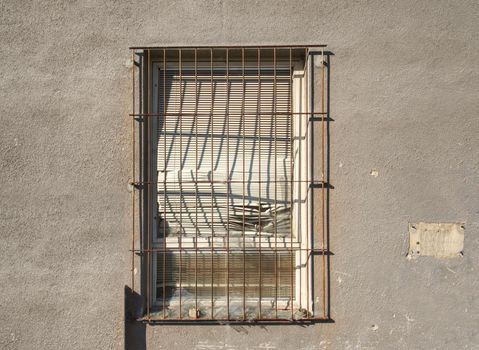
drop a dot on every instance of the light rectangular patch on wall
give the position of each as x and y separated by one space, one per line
440 240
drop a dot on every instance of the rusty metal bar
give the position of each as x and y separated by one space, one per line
308 107
237 250
323 178
275 187
228 187
292 182
196 187
223 321
139 183
164 184
259 177
308 191
207 115
243 120
181 175
226 47
291 155
149 200
133 176
212 187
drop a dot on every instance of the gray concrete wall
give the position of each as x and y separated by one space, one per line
404 97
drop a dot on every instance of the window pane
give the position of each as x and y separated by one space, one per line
207 275
241 141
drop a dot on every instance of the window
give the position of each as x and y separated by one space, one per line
227 184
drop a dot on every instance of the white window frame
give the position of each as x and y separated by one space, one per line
301 190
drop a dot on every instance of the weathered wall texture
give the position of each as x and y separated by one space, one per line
405 104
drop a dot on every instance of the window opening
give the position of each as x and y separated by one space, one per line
226 191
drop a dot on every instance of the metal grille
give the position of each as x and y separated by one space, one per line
224 201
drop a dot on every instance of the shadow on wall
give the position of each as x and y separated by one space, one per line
135 331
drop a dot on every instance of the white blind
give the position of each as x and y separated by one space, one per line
219 129
243 271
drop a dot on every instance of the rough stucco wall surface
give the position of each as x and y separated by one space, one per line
405 104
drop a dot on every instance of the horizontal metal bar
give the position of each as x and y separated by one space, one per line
272 321
265 250
138 183
206 47
221 114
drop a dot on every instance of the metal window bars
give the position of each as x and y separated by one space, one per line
224 172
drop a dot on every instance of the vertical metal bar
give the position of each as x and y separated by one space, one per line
327 179
244 184
275 186
196 184
149 200
133 160
323 187
299 227
181 174
291 170
212 185
291 122
227 188
310 190
259 179
164 184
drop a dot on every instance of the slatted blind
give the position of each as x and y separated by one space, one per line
224 171
222 135
196 274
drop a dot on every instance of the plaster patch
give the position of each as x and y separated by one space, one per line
128 63
440 240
